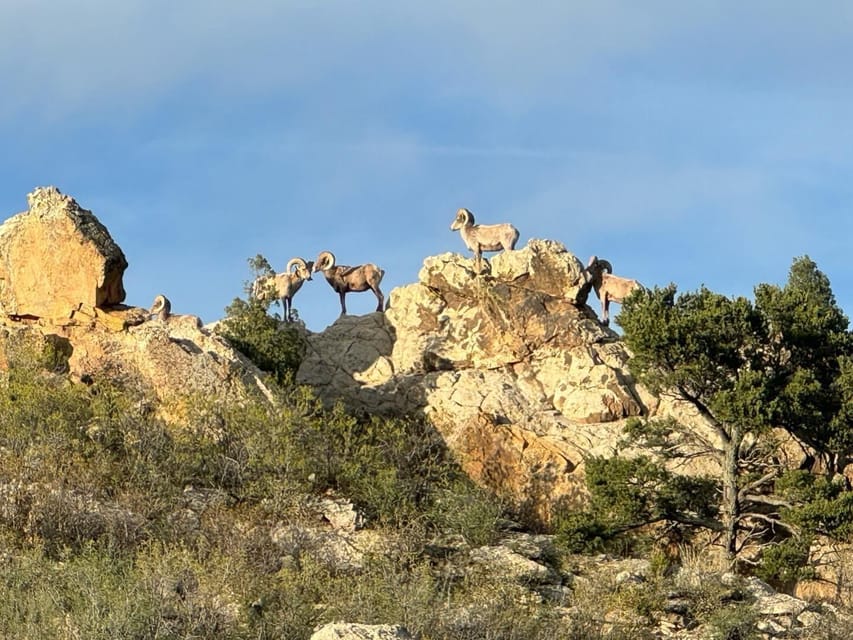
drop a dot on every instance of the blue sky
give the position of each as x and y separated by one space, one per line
688 142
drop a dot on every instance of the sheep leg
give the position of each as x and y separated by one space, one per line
343 303
605 311
380 299
287 309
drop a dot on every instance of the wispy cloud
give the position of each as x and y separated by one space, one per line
60 57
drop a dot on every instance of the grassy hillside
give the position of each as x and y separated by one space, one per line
117 524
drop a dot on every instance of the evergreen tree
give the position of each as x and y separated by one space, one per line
810 360
745 368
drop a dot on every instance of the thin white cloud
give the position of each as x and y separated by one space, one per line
61 56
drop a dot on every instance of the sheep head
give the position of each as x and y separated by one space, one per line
161 306
324 262
300 268
464 218
596 264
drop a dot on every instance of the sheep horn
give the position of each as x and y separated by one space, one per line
293 262
161 304
465 216
606 266
325 256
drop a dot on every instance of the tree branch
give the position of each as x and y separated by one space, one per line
773 522
706 413
752 486
759 498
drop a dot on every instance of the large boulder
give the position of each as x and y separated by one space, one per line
61 285
511 366
56 256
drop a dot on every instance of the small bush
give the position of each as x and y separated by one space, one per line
464 509
273 346
784 563
734 622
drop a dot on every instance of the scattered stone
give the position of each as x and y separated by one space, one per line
629 577
770 628
349 631
535 547
339 513
780 604
500 560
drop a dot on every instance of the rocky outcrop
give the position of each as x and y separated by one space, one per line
172 363
61 284
512 367
55 257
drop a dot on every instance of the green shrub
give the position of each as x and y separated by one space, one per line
784 563
628 498
464 509
818 504
274 346
93 595
734 622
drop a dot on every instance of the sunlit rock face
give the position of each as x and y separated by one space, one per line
56 256
61 285
508 362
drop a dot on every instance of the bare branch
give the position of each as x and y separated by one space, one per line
752 486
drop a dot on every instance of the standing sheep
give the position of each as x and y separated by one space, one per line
283 285
483 237
344 279
609 288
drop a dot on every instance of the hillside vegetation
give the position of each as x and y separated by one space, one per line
485 460
118 525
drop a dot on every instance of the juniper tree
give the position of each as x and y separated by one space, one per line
810 358
783 361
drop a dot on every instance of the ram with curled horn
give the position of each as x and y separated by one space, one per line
161 308
344 279
283 286
609 288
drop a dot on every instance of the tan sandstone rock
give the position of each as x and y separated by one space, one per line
55 257
61 285
511 367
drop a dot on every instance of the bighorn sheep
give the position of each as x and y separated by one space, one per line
162 308
283 285
483 237
345 279
609 288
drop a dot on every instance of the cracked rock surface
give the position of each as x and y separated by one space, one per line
511 366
